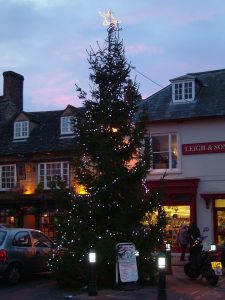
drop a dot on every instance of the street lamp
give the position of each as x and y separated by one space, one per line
92 282
168 258
161 263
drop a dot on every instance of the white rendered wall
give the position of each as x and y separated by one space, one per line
209 168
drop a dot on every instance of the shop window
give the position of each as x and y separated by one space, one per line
220 220
7 219
47 224
164 152
4 216
176 216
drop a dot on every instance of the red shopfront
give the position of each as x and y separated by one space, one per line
217 201
179 204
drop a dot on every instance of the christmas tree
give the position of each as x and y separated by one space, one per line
111 160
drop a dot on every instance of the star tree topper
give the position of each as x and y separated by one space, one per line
109 19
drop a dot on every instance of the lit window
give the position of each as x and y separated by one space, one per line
183 91
67 125
7 177
21 129
50 174
164 152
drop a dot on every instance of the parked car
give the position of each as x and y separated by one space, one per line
23 251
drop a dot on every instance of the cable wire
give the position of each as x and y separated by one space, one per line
132 67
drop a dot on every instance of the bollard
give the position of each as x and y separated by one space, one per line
213 247
168 259
92 280
162 277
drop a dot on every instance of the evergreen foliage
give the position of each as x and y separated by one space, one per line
111 161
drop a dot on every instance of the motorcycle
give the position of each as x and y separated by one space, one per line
206 263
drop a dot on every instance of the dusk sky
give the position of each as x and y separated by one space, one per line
46 42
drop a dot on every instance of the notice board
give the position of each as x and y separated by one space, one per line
127 263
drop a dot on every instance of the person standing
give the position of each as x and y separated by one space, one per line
183 240
195 249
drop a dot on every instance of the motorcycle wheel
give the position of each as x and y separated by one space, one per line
212 278
189 271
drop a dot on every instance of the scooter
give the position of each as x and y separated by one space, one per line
206 263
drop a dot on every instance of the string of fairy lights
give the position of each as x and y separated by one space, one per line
72 217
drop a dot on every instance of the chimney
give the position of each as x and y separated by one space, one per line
13 88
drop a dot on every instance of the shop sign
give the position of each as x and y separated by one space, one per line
203 148
127 263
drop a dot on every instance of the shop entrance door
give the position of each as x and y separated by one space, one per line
29 221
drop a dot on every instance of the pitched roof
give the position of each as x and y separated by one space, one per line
7 109
45 136
209 101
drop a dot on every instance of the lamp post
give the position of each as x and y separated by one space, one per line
161 262
92 281
168 258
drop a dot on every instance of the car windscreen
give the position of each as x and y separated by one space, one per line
2 236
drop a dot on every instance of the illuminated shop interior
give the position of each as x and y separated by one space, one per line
220 220
176 216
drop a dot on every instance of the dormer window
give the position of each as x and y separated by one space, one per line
21 130
67 125
183 91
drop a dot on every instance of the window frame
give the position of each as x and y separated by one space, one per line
182 92
45 175
66 125
170 169
22 134
14 176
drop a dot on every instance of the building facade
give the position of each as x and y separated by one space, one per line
186 123
36 151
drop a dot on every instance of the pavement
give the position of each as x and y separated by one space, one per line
178 287
133 292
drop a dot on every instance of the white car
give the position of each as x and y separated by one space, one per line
23 251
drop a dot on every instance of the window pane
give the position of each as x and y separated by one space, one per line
174 151
161 160
188 90
160 143
22 239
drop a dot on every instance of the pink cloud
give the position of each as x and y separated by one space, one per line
56 90
71 53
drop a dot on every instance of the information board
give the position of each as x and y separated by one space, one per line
127 263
